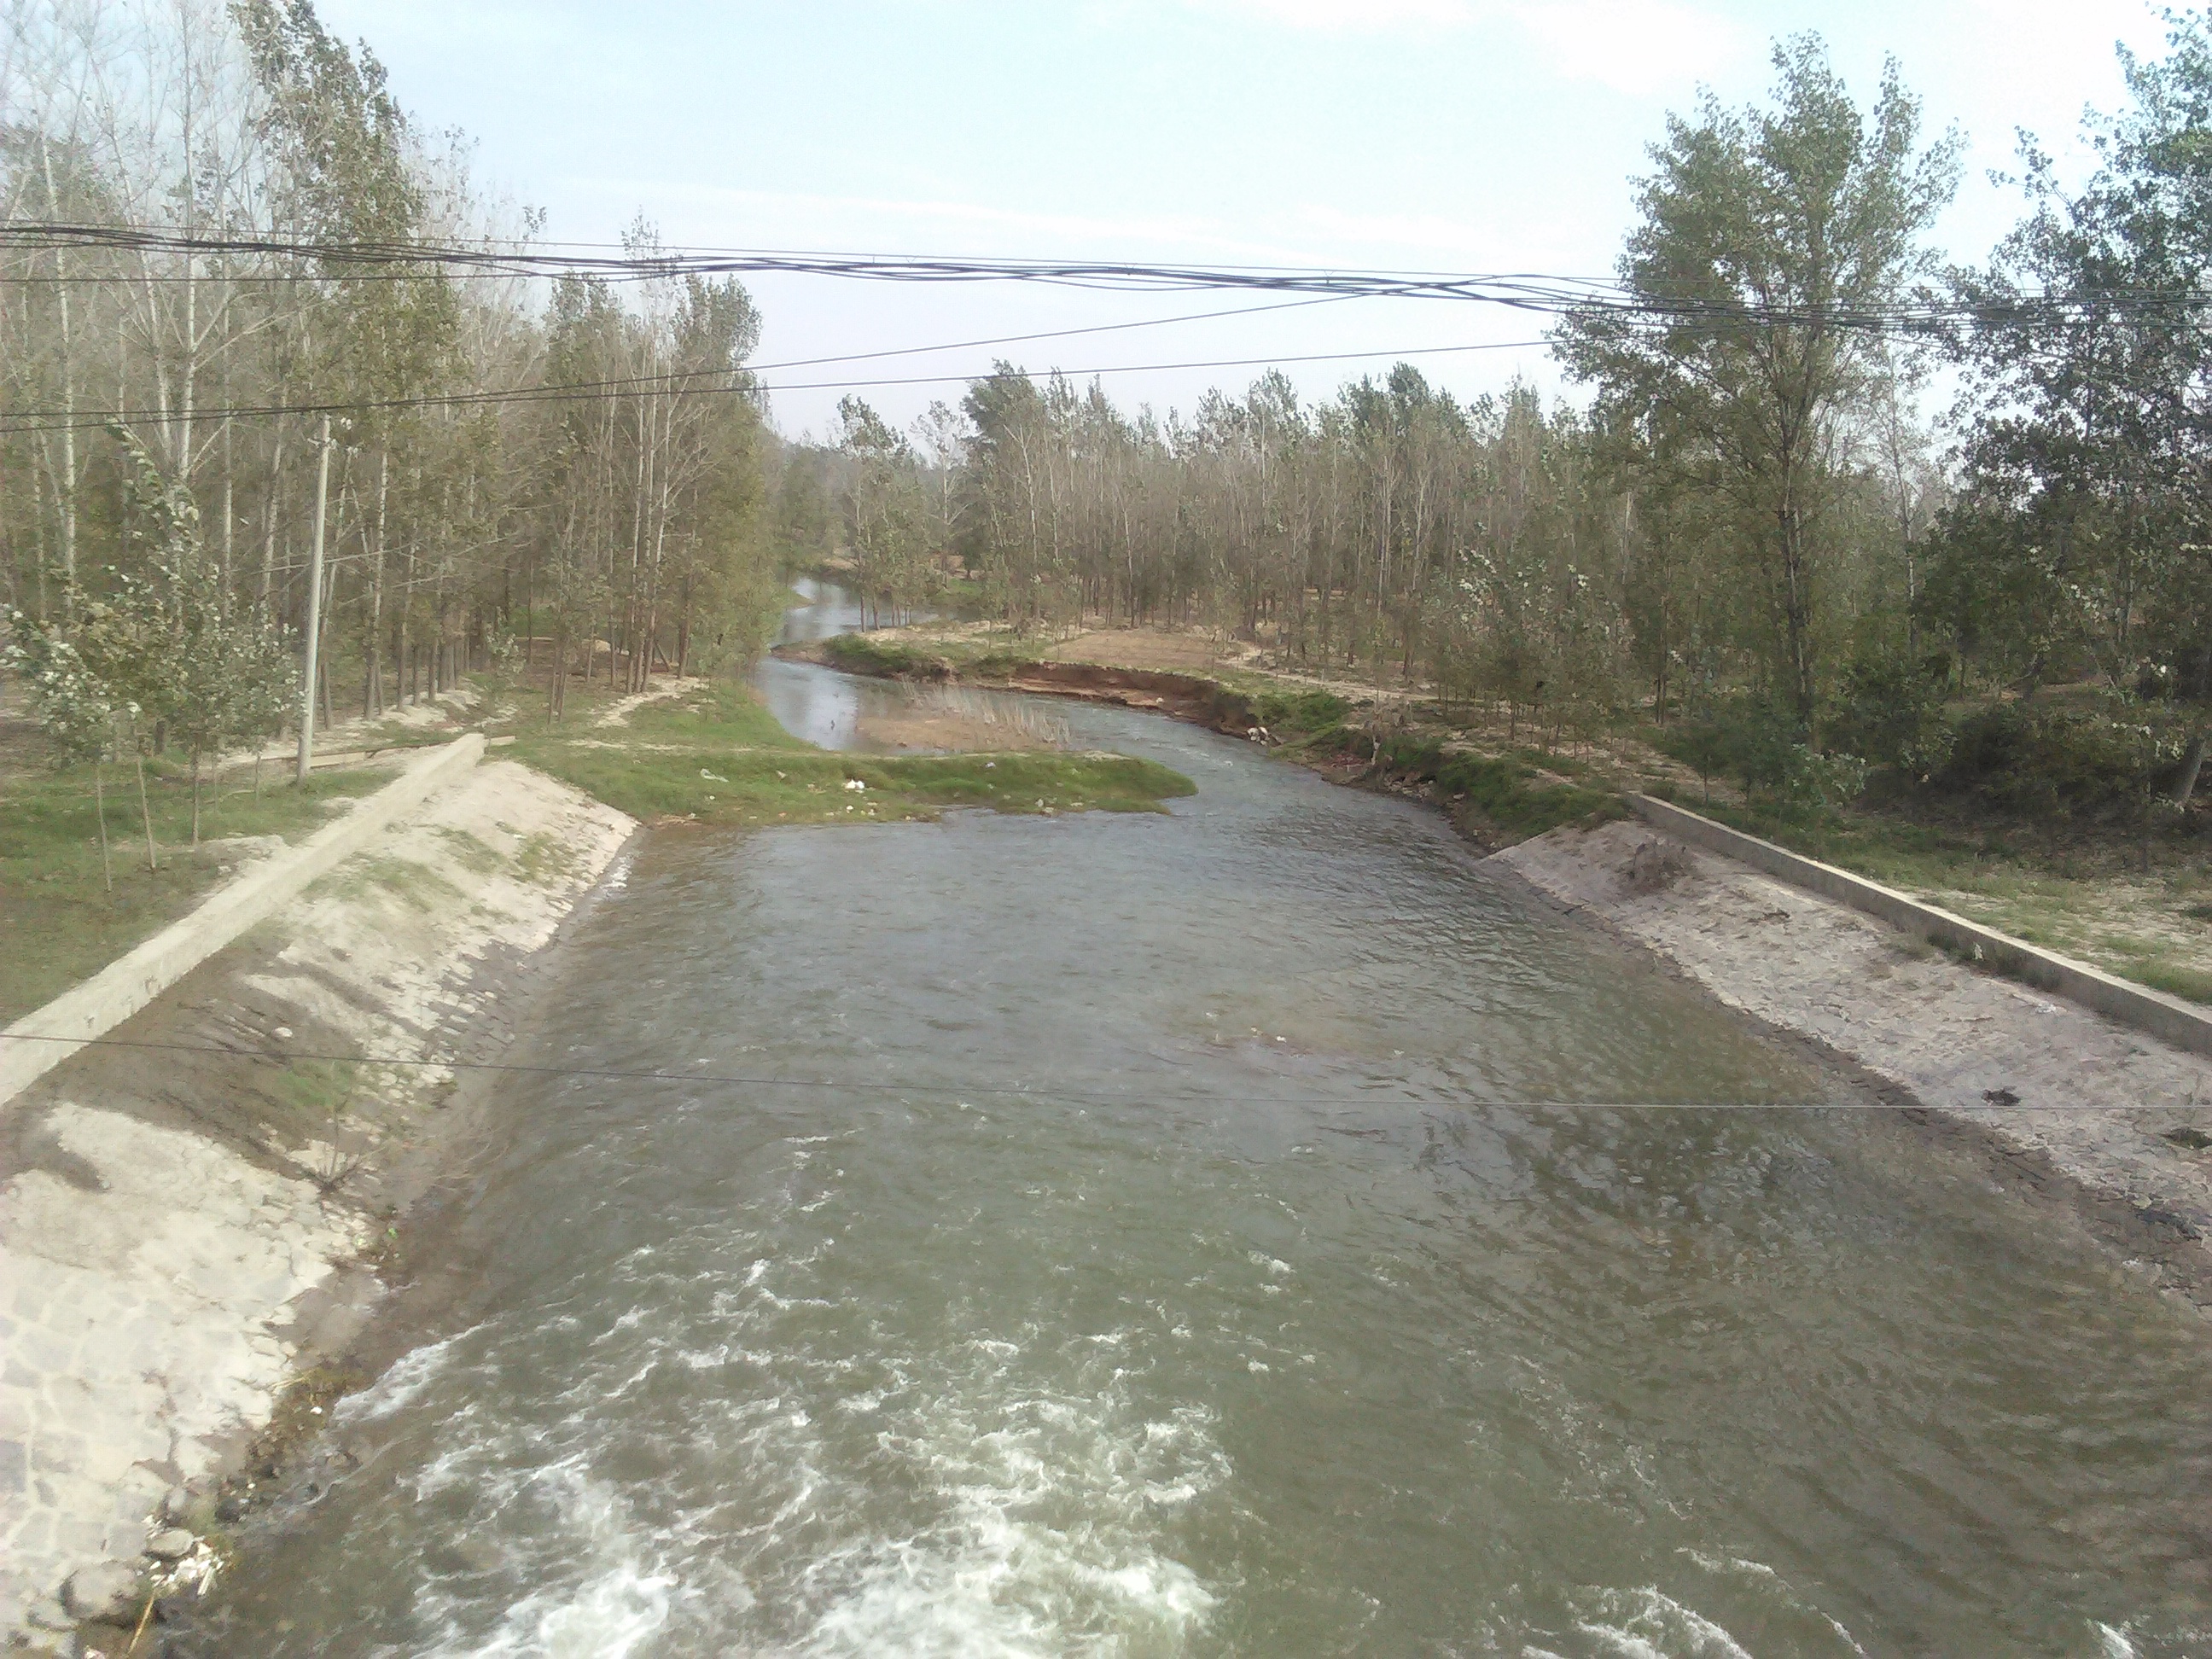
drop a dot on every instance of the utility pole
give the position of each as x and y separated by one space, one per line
314 603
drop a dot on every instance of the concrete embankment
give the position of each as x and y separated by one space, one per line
190 1207
2068 1100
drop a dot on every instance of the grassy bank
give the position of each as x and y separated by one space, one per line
62 922
715 755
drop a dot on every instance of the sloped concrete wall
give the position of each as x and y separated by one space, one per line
2162 1015
38 1041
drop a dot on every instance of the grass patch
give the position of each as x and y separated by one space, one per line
542 859
61 922
726 713
469 851
745 787
1290 715
1509 794
859 653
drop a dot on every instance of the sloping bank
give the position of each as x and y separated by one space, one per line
195 1205
186 1229
2106 1118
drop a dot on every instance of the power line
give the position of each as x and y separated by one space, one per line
672 386
288 1057
1549 295
679 377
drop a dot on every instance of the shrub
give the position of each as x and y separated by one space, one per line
1744 738
1891 712
1816 785
2050 762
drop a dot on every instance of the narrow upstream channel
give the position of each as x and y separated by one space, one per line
1219 1233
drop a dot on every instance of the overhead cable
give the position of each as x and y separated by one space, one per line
1547 294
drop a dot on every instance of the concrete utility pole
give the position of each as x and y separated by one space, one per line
314 603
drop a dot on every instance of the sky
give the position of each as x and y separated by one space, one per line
1466 136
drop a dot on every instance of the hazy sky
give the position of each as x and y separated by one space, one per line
1458 135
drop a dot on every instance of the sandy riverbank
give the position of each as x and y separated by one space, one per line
185 1230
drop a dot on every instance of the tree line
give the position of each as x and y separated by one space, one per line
600 533
1747 529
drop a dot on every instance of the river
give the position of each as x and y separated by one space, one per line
1253 1229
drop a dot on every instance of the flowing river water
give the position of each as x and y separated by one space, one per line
1224 1232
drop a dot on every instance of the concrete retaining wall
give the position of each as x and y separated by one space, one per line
131 982
2168 1017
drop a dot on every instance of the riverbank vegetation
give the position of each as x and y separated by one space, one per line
1748 548
1752 559
712 755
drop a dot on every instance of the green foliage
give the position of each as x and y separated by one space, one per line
860 653
2036 760
1757 227
800 519
1743 737
2084 527
222 675
77 708
1815 784
1514 799
1288 714
1891 712
752 786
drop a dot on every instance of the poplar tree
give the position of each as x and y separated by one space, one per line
1769 238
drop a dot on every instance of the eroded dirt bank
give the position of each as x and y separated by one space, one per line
1190 697
2089 1111
188 1228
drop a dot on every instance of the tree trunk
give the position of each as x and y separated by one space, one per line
99 806
2192 763
1796 612
146 815
374 702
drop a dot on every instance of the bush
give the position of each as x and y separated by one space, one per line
1296 713
1892 713
2050 762
1818 786
1744 738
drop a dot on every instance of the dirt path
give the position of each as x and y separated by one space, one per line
618 712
